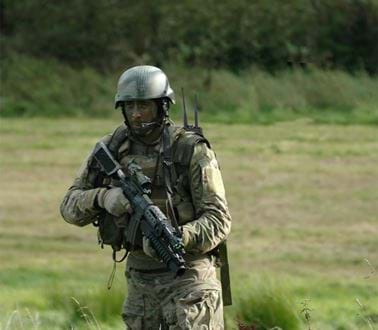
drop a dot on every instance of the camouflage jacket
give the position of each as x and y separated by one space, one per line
199 195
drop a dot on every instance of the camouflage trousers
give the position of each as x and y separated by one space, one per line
160 301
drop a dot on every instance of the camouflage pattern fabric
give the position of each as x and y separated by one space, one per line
190 302
212 222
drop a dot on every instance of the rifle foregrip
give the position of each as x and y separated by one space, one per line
172 261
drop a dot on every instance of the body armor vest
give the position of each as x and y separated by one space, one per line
150 158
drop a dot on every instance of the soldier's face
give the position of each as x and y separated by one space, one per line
140 112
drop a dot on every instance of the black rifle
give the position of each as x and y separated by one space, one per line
154 225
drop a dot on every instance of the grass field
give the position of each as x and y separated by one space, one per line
304 200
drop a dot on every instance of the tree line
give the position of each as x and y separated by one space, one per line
221 34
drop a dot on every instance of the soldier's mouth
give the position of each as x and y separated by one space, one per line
143 124
137 124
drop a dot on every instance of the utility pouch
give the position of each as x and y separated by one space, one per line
111 231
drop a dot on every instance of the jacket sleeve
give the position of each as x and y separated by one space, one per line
79 205
213 221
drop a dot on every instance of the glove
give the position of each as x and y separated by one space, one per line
148 249
114 201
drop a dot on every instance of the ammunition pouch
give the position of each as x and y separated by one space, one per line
112 231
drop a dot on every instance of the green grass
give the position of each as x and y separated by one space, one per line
41 87
266 304
303 199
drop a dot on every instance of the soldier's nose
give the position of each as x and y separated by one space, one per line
137 114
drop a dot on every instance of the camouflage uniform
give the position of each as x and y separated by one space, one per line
155 298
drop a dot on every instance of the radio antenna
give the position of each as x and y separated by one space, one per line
184 109
196 109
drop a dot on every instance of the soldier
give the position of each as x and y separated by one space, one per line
191 189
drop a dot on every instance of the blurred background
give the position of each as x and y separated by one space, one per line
256 61
288 94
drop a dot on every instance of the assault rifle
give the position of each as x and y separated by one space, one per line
155 226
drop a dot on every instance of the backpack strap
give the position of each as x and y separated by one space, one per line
183 146
118 137
114 142
177 151
169 173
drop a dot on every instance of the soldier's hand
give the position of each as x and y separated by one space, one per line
114 201
148 249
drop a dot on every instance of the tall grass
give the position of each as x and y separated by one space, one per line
68 308
266 304
255 96
261 304
35 87
91 306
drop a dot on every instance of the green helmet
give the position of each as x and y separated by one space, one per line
144 82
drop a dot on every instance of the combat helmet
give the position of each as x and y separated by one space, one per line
144 82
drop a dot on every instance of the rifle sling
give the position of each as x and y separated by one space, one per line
167 170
